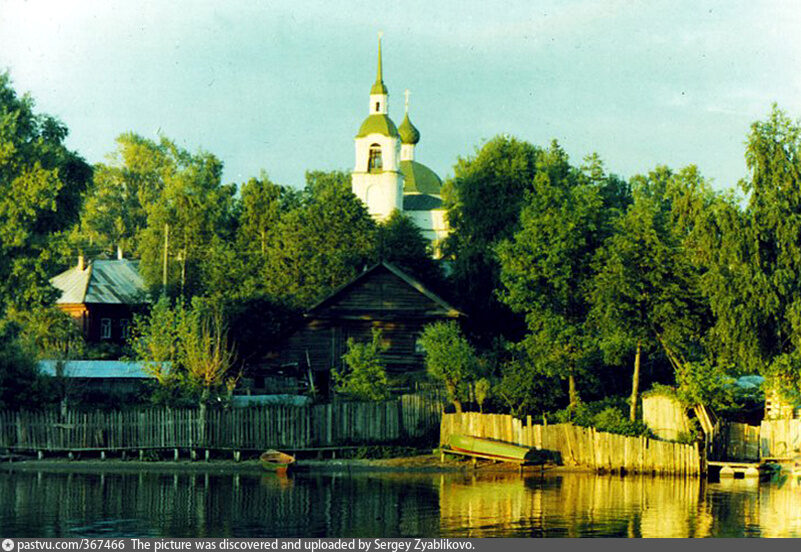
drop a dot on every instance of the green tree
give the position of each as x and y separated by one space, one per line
399 241
646 293
319 245
484 199
546 272
365 379
21 384
41 185
123 190
450 359
187 350
192 208
754 276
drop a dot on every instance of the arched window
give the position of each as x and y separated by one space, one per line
374 162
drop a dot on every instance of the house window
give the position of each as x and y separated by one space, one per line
374 162
125 328
105 328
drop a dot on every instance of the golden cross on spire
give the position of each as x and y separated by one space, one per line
406 93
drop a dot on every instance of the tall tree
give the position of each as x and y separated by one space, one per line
321 244
41 185
124 189
192 208
754 282
484 199
546 273
645 294
399 241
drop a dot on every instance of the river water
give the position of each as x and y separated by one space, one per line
191 504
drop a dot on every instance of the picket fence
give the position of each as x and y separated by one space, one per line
579 446
410 420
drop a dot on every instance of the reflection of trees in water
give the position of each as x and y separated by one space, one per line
205 505
254 504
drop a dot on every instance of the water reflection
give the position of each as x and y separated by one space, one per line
156 504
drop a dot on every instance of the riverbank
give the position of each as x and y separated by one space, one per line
408 464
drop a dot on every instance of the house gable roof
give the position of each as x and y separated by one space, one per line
101 281
440 305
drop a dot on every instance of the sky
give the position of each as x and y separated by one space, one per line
283 86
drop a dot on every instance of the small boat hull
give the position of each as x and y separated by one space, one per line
495 450
276 461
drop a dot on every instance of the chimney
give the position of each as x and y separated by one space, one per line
119 253
81 262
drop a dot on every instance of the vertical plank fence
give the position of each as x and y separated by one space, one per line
579 446
408 420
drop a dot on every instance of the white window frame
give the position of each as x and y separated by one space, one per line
105 328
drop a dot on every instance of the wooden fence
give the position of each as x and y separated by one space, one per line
408 420
780 439
579 446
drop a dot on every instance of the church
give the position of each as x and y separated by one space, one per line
386 175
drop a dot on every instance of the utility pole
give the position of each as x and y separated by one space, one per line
166 247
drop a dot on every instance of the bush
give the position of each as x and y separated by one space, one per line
365 379
608 415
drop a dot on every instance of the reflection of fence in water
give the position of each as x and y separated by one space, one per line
573 505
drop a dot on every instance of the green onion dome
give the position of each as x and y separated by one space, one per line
407 131
378 124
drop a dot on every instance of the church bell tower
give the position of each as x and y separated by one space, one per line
376 178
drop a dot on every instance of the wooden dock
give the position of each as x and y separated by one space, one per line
731 469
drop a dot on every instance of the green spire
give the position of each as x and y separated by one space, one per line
378 87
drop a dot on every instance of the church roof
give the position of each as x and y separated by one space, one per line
101 281
378 123
421 202
417 178
407 131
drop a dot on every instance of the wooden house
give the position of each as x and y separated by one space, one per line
382 297
101 296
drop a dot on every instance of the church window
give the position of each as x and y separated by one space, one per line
374 162
378 106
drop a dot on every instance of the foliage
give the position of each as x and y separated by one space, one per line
49 333
321 244
450 359
365 379
41 184
21 384
755 261
187 350
604 415
483 388
546 270
484 199
399 241
192 208
522 387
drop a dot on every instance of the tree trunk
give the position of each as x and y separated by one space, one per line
457 404
635 382
572 392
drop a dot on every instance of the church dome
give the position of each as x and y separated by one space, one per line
407 131
417 178
378 123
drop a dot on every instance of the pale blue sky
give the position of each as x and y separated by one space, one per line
283 86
